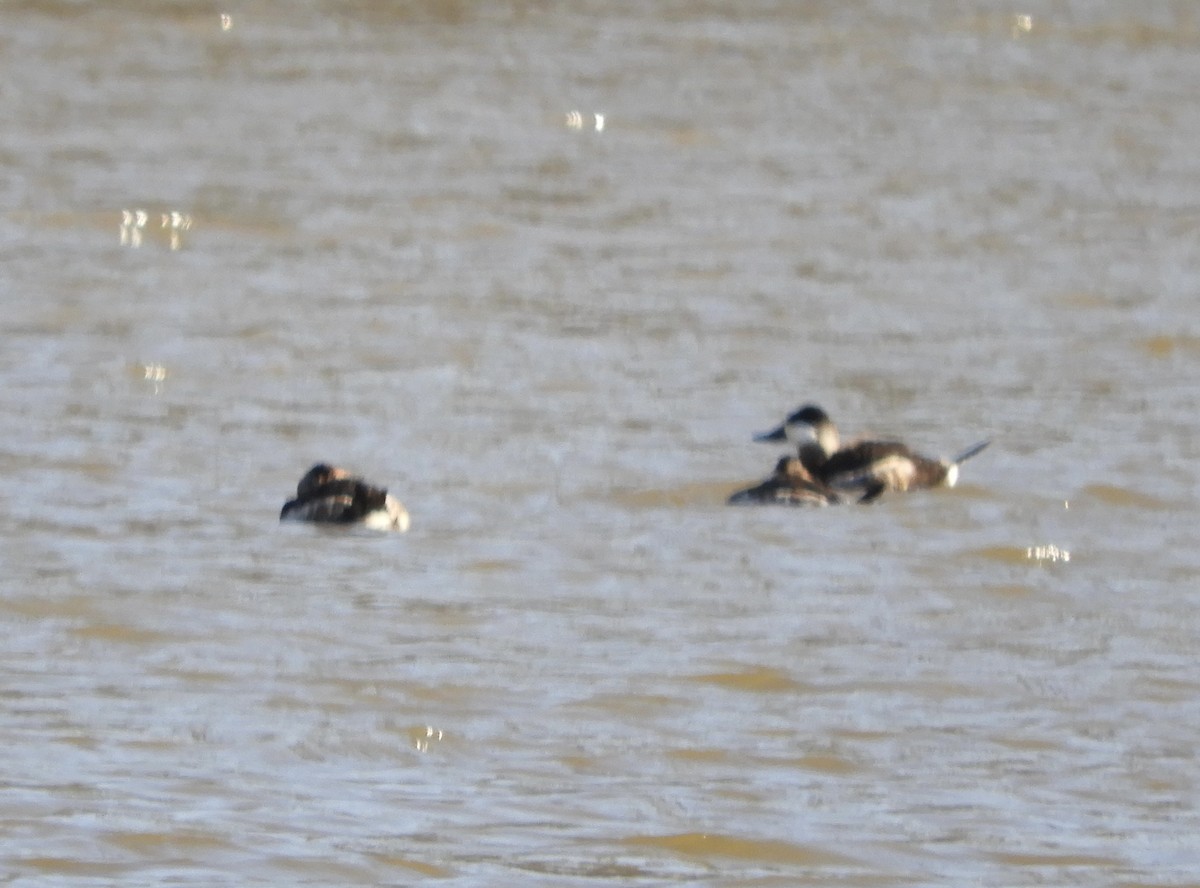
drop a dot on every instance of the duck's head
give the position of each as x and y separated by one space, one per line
793 469
321 473
803 426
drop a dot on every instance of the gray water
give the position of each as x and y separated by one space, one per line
552 336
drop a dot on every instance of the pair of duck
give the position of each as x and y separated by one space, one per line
823 472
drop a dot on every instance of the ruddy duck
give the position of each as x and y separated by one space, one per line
870 466
789 485
330 495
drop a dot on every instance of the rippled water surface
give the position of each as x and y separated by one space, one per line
543 269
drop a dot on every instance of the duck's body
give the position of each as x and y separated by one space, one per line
870 467
330 495
790 484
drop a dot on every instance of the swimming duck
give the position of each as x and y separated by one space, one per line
331 495
790 484
869 466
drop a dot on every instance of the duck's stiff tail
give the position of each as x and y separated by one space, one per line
969 452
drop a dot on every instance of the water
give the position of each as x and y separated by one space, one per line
553 336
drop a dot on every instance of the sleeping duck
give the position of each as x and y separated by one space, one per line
330 495
791 484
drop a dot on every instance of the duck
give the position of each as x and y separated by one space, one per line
331 495
791 484
870 467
